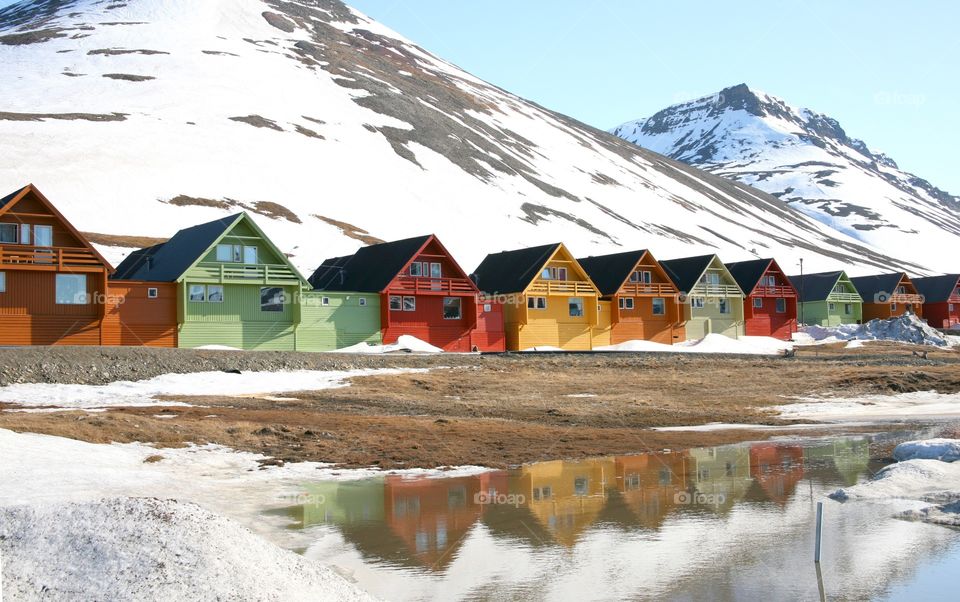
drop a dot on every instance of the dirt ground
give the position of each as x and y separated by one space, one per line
504 410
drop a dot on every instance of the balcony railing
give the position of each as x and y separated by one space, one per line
715 290
262 273
422 285
907 299
774 291
562 287
52 258
636 289
844 297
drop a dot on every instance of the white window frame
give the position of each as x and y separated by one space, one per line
697 302
555 274
626 303
153 293
848 309
362 301
48 233
398 299
203 292
409 303
416 269
3 282
709 276
24 237
324 300
10 228
459 301
724 306
579 303
950 306
64 278
256 255
831 307
209 294
487 307
758 302
283 300
436 270
893 306
662 302
536 303
781 301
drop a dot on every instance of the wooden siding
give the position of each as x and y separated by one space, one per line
427 323
49 330
553 326
708 319
818 313
238 320
262 336
341 323
765 321
29 314
489 335
939 315
134 319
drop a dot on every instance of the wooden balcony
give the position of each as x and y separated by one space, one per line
844 298
54 259
907 299
715 290
418 285
639 289
239 273
774 291
562 287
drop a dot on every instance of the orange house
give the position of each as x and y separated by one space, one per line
53 283
888 296
643 299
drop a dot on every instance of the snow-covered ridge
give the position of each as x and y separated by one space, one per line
143 117
809 161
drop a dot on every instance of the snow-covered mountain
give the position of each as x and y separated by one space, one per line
806 159
140 117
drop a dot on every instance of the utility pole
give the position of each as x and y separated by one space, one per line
802 322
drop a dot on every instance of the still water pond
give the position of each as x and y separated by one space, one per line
718 523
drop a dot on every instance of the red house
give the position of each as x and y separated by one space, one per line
941 300
423 293
770 309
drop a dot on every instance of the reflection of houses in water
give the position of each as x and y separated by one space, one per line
720 472
649 484
565 497
848 458
776 469
340 502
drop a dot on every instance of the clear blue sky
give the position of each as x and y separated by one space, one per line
888 71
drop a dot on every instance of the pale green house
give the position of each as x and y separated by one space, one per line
827 299
714 300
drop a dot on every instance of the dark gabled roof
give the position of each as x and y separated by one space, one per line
748 273
512 271
11 196
937 289
870 286
686 271
815 287
369 270
609 272
168 261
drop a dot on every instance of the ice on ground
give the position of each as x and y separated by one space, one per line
943 514
218 348
907 328
712 343
874 407
404 342
136 548
729 426
917 480
945 450
147 392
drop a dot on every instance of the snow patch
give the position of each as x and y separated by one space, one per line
875 407
712 343
404 342
945 450
907 328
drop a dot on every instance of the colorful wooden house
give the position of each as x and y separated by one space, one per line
643 299
828 299
234 287
776 469
652 484
548 299
888 296
770 309
714 300
941 300
53 282
423 293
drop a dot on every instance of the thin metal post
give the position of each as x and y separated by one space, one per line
816 552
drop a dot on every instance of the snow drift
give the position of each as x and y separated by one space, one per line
907 328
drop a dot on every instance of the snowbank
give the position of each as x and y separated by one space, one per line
712 343
147 392
404 342
135 548
944 514
905 329
945 450
874 407
909 480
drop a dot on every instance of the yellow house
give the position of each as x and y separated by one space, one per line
548 299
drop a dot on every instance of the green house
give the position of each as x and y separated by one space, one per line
235 288
827 299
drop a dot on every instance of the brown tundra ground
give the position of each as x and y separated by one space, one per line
495 410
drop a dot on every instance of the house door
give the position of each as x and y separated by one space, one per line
43 237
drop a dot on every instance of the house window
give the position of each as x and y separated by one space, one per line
435 270
644 276
580 486
396 303
758 302
659 306
72 289
724 306
152 293
3 285
409 304
363 301
215 293
451 308
626 302
272 298
893 306
43 236
324 300
711 278
950 305
24 234
848 309
547 492
781 306
632 481
554 274
487 307
576 306
8 233
198 293
250 255
696 302
225 253
901 290
537 302
416 269
832 306
771 280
